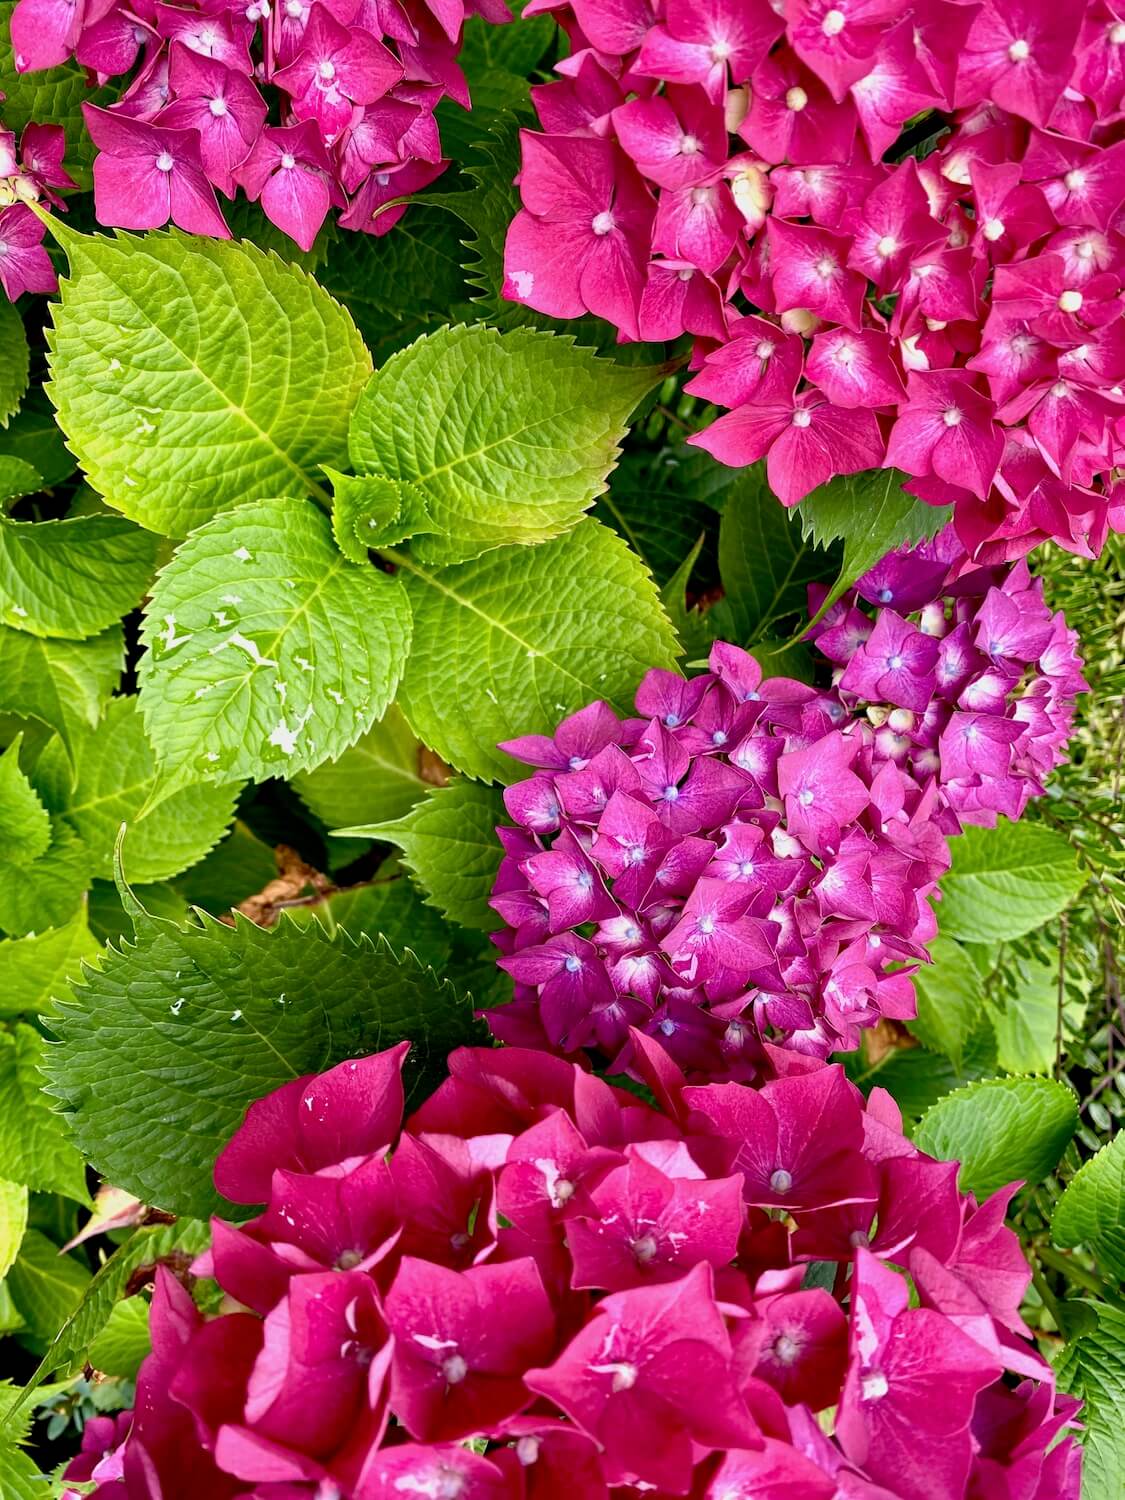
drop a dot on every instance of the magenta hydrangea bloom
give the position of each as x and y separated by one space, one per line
957 318
630 1318
970 679
349 89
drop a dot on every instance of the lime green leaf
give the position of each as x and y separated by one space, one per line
268 652
1001 1129
13 1222
449 844
33 437
166 1046
47 892
370 511
25 828
510 436
46 1287
1092 1367
15 361
1092 1210
64 683
511 643
34 1148
950 999
33 970
764 562
115 775
871 514
72 578
378 778
1027 1022
191 374
124 1341
238 867
1006 881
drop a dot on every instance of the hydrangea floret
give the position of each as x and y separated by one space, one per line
543 1286
751 861
303 105
756 176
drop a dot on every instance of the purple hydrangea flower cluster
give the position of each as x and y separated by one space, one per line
305 105
973 680
751 861
29 171
719 168
550 1290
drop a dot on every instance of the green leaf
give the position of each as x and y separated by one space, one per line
166 1046
1006 881
765 564
510 436
34 1148
17 478
33 970
86 1319
64 683
497 59
389 906
115 776
25 828
449 844
20 1478
1001 1129
46 1287
652 501
917 1078
72 578
268 652
398 285
15 361
950 999
378 778
238 867
47 892
1092 1368
511 643
33 437
13 1222
370 511
1027 1021
1092 1210
871 514
191 374
124 1341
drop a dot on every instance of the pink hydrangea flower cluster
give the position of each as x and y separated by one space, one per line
973 681
550 1290
29 171
305 105
716 168
736 864
751 861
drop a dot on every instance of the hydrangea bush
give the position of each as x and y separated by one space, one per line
561 853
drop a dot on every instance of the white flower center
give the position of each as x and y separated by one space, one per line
796 98
993 229
1060 390
764 349
785 1349
689 145
644 1248
833 23
165 161
781 1181
886 246
1075 180
1070 301
805 797
218 107
454 1369
802 418
288 160
720 51
825 267
1117 34
603 223
951 416
875 1386
326 69
1019 51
